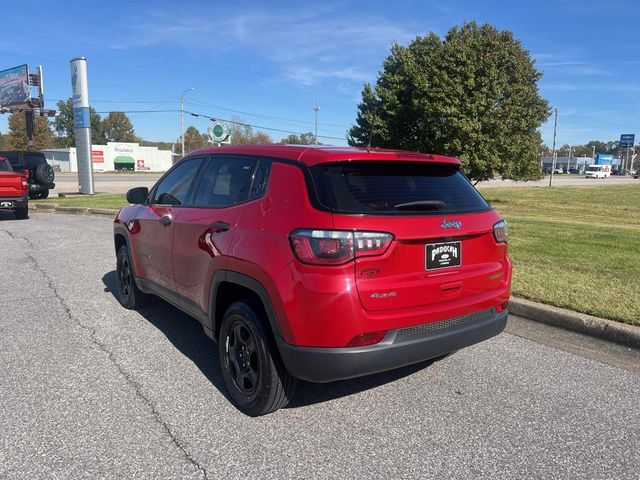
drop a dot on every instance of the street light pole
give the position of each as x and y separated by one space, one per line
182 116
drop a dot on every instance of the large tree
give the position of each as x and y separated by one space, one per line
17 138
473 94
193 140
118 128
64 125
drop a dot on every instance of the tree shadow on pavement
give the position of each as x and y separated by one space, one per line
188 336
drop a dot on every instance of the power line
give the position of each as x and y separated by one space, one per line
209 117
269 117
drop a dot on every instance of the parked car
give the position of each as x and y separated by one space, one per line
598 171
41 175
558 170
13 190
573 171
317 263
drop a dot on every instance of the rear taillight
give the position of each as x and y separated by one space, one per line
24 183
335 247
500 231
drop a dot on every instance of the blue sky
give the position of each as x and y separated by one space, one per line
264 60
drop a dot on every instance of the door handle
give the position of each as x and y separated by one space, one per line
219 226
165 220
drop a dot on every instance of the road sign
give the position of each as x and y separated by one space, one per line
627 139
218 132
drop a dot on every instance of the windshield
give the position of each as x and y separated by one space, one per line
395 188
593 169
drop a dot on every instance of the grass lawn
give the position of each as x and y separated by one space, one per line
573 247
114 201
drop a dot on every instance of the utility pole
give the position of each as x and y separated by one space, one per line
553 149
182 116
317 109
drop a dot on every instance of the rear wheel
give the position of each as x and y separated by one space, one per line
257 381
39 194
130 295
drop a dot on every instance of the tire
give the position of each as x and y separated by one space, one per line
256 380
21 213
39 194
129 295
45 174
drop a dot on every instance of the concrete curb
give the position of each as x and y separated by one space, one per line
621 333
82 210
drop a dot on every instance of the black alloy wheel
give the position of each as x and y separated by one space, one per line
241 357
257 382
130 295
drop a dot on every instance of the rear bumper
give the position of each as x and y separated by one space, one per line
398 348
12 203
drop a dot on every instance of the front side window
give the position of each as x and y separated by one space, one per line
175 187
225 182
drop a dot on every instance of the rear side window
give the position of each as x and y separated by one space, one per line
174 188
389 188
14 160
4 164
225 182
32 160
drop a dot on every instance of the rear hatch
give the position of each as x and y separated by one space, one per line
444 246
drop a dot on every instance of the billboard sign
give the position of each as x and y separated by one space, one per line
604 159
14 86
627 139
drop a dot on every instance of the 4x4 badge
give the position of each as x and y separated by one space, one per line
451 224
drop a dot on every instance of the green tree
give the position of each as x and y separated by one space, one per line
473 94
193 140
17 138
243 134
303 139
64 125
118 128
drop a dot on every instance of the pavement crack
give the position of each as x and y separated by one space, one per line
137 387
23 239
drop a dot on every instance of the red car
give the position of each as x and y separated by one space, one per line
317 263
14 193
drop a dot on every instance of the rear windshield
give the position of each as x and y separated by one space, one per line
395 188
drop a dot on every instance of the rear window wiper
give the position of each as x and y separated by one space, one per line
421 205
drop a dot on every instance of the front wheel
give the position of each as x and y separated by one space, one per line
130 295
257 381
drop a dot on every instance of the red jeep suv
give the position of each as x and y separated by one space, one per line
317 263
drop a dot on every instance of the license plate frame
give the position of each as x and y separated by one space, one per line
446 255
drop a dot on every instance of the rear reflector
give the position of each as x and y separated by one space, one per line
365 339
335 247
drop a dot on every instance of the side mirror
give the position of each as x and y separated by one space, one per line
137 195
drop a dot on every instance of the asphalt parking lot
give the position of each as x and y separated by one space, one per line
91 390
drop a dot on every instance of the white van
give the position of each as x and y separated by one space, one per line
598 171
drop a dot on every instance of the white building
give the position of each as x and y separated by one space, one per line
113 156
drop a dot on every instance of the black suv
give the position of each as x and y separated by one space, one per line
41 174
